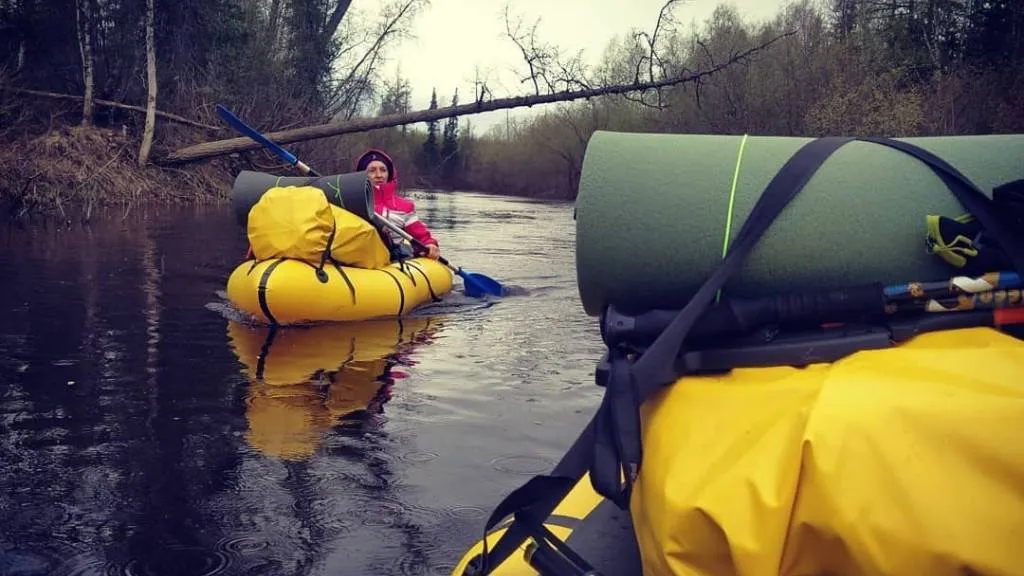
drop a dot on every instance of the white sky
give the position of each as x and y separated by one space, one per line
451 37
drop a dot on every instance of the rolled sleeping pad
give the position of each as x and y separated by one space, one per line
351 191
653 210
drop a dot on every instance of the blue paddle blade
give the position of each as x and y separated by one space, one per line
471 289
477 285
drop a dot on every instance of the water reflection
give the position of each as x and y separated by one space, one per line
306 381
439 209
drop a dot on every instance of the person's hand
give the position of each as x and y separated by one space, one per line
433 251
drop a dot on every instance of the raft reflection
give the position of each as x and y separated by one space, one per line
305 381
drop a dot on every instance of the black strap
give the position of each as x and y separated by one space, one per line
612 438
326 254
261 290
541 494
344 276
1009 197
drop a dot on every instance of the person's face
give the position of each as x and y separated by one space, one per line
377 172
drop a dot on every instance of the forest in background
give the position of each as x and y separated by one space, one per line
852 67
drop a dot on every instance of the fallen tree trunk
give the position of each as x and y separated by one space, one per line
165 115
240 144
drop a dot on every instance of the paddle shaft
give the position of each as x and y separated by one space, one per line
410 238
244 128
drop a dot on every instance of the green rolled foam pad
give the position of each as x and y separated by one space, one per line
652 212
351 191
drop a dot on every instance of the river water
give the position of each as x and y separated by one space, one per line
140 432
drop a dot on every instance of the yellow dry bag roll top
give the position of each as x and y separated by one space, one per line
298 222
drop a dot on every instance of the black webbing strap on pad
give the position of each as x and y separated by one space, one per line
612 437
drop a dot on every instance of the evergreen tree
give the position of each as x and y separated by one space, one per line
431 158
450 145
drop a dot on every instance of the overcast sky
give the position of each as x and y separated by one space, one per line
454 36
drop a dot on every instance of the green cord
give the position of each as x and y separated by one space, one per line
732 201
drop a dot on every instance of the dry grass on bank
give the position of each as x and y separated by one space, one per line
69 170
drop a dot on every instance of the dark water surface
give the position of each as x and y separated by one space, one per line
141 434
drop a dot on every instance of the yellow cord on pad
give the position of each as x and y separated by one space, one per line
732 201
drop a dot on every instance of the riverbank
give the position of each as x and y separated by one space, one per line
69 171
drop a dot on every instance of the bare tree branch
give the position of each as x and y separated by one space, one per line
365 66
544 61
530 56
480 89
573 73
165 115
652 57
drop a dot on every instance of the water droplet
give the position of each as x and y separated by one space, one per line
419 456
466 512
525 465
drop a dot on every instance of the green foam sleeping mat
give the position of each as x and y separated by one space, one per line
653 211
351 191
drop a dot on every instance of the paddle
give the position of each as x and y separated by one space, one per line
475 284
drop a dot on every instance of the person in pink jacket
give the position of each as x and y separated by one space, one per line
383 176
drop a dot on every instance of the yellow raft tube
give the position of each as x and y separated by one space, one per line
287 291
577 506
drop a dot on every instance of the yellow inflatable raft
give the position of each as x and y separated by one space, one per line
314 261
306 380
287 291
906 460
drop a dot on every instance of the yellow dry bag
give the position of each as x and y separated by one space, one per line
298 222
907 460
291 222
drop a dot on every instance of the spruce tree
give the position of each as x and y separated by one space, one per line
431 157
450 145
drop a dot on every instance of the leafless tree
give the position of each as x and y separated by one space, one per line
83 24
147 133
